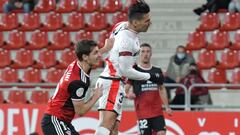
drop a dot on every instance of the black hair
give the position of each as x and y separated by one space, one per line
84 47
137 10
146 45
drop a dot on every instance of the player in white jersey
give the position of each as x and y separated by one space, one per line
119 65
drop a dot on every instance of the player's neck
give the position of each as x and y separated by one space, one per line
131 28
145 65
84 66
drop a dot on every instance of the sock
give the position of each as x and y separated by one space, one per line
102 131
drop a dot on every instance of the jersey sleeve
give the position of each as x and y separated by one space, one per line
126 61
77 90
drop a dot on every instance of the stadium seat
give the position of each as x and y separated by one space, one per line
67 56
38 40
217 76
54 75
89 6
16 40
236 41
53 21
209 22
5 58
2 100
30 22
119 17
9 75
45 6
2 42
235 78
219 40
206 59
75 22
83 35
67 6
46 59
9 22
39 97
196 41
60 41
98 21
31 75
111 6
23 59
229 59
103 35
231 22
17 97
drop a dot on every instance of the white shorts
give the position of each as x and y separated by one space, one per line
113 96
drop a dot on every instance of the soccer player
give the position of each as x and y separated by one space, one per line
148 97
119 65
69 96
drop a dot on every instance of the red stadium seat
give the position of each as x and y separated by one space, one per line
76 22
67 56
67 6
219 40
196 41
102 37
46 59
38 40
217 76
83 35
9 75
60 41
30 22
236 42
9 22
17 97
2 42
5 58
119 17
98 21
209 22
89 6
53 21
111 6
54 75
39 97
31 75
45 6
16 40
206 59
231 21
235 78
1 97
229 59
24 59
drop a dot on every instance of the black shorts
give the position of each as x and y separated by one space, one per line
147 126
51 125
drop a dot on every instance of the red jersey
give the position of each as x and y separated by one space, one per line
148 102
72 86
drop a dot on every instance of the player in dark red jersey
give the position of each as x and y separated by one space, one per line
148 97
70 93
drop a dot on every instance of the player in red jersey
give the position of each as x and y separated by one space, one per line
70 94
148 97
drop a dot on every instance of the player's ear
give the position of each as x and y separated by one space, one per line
84 57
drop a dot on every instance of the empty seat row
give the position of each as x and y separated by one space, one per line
211 21
86 6
54 21
219 40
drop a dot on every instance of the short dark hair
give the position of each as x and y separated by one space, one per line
146 45
137 10
84 47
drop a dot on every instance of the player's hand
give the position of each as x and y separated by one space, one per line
156 78
169 111
109 43
130 95
98 91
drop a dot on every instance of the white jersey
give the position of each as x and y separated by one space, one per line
121 57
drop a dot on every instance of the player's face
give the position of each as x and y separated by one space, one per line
94 57
144 23
145 54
